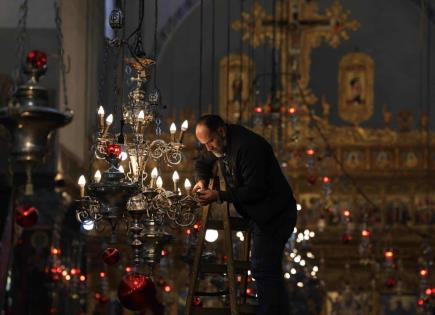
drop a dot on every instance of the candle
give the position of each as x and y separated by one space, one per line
184 127
82 183
175 178
101 118
109 121
173 130
187 185
154 174
141 122
97 176
159 182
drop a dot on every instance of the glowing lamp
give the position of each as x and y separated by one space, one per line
424 272
27 216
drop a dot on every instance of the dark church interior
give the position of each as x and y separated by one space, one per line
181 157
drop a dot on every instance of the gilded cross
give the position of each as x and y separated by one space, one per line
295 28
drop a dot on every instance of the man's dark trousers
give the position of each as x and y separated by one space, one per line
266 260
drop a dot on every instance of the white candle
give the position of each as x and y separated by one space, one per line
82 183
187 185
141 121
154 174
97 176
184 127
159 182
175 179
173 130
109 122
101 118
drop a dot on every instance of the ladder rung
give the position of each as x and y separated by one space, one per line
216 293
239 266
236 224
243 310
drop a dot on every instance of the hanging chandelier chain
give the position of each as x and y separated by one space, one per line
61 52
103 75
21 38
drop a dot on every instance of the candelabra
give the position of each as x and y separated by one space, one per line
134 195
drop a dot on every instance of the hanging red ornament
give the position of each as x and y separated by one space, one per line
114 150
346 238
136 291
37 59
197 301
27 216
390 282
111 255
312 179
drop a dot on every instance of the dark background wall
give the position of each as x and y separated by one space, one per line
392 32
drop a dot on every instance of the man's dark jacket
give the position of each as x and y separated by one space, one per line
255 183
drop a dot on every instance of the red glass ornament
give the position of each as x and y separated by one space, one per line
390 282
27 216
197 301
37 59
111 255
114 149
312 179
420 301
136 291
346 238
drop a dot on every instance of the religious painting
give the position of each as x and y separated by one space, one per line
410 159
383 159
235 87
354 159
355 87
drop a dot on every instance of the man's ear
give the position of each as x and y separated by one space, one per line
221 131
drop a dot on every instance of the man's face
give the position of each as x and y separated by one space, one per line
213 141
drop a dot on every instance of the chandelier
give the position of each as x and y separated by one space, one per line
129 192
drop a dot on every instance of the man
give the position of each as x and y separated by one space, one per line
260 193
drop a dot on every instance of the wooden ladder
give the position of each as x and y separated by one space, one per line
237 305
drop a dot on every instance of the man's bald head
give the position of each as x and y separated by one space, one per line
211 132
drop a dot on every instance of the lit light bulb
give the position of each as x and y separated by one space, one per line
159 182
173 130
287 275
187 185
97 176
123 156
154 174
298 207
211 235
184 125
101 118
101 111
82 183
109 120
141 115
175 179
121 169
88 225
141 122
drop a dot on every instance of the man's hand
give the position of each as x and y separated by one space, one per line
200 185
206 197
